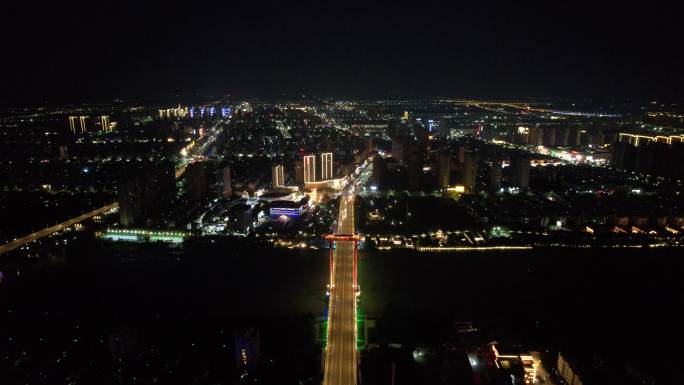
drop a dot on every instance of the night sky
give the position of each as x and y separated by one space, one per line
105 50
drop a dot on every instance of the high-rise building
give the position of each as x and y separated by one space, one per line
104 121
469 172
326 165
549 137
413 170
444 128
495 176
82 120
656 155
227 183
379 169
309 168
597 138
520 173
460 154
72 124
535 136
399 148
574 137
369 145
197 177
144 195
562 135
422 138
444 170
567 372
585 138
278 176
299 172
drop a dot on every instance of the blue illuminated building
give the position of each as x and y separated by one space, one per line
289 209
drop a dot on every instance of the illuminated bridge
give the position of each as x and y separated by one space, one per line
19 242
340 353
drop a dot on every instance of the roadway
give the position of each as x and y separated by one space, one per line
19 242
198 149
340 355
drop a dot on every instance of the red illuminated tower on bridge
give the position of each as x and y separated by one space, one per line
332 238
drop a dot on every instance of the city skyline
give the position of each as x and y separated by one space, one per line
341 193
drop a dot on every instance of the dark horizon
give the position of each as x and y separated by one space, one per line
61 53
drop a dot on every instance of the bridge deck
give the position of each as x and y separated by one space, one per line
340 356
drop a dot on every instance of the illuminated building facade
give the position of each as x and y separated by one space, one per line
286 211
516 368
288 208
72 124
335 184
656 155
326 165
278 176
309 168
82 120
144 235
104 121
567 372
179 112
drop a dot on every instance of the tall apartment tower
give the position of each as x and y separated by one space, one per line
72 124
444 170
520 173
82 120
399 148
327 165
278 175
469 172
104 121
309 168
369 145
299 171
495 176
197 180
227 183
145 194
